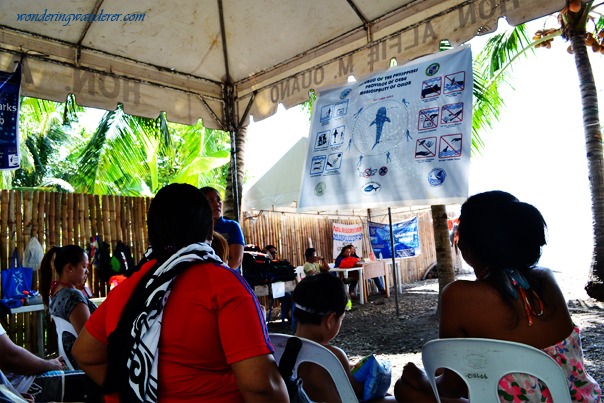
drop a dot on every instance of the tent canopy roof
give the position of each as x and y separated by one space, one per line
222 60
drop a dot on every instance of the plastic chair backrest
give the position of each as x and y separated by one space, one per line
64 326
299 273
316 353
482 363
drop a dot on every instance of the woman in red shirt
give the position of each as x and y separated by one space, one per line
185 327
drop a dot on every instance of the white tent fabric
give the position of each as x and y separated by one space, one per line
280 186
222 60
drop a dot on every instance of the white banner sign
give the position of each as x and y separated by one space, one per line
345 234
401 137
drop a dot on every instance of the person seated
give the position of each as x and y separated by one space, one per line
314 263
34 378
511 299
346 260
320 303
65 297
271 251
378 281
185 327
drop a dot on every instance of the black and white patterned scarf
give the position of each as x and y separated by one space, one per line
143 360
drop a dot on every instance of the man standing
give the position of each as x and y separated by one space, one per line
229 229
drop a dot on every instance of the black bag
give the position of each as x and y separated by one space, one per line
122 254
286 369
104 261
282 270
259 269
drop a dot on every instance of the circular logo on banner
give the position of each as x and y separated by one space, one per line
345 93
320 189
432 69
383 170
437 176
371 188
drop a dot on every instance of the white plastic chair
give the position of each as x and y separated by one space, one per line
481 363
316 353
63 326
299 273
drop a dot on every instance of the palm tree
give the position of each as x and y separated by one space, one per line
574 20
48 132
134 156
126 155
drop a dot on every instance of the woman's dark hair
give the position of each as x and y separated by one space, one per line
179 215
317 296
309 253
341 255
61 256
502 233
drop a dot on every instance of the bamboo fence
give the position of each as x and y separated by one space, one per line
58 219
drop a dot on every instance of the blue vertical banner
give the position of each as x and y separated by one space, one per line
406 239
10 88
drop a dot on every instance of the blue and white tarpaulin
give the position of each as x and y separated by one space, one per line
400 137
10 88
406 239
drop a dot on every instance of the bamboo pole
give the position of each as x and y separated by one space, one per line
113 224
70 221
28 223
77 221
4 227
12 222
39 213
98 215
19 222
139 205
117 224
64 224
106 232
86 230
58 219
52 216
93 225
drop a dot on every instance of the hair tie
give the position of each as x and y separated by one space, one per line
515 280
311 311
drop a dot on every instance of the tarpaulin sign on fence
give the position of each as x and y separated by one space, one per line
346 234
10 88
406 239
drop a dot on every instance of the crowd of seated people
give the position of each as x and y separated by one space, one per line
137 345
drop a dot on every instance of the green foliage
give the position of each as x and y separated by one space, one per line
130 155
490 68
126 155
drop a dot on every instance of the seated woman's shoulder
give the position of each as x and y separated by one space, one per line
466 290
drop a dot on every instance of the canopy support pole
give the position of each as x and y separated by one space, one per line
393 262
231 123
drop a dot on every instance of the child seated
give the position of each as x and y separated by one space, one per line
320 303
